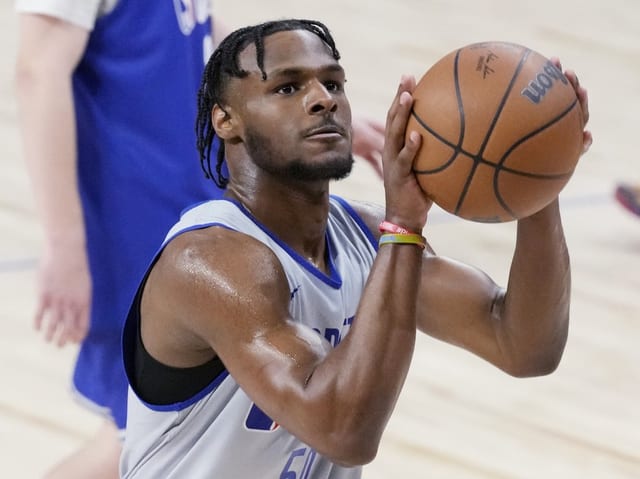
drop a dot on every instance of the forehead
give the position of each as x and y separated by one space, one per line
289 49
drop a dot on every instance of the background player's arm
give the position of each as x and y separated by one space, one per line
221 290
48 53
521 329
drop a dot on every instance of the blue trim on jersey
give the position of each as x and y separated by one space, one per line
195 205
333 279
199 226
358 219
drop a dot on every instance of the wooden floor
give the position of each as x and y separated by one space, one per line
458 417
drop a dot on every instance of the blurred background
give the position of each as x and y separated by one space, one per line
458 417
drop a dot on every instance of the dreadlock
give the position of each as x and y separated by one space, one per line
223 65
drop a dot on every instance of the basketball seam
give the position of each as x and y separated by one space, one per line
485 142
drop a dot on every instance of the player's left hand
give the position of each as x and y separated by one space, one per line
583 98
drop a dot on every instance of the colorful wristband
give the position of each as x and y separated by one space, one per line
402 238
388 227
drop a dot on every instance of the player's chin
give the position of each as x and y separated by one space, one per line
323 167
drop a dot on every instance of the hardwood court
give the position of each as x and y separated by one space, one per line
458 417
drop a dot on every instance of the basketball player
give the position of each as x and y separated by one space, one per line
107 94
273 332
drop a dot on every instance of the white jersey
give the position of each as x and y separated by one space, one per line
220 433
82 13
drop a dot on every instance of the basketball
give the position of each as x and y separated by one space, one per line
501 131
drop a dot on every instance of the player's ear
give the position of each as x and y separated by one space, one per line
224 122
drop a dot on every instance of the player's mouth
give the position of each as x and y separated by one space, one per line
326 131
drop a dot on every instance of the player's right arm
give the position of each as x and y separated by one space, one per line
222 292
216 291
49 50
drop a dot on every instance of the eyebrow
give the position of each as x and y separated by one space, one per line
289 72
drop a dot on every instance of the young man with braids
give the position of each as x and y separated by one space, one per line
107 94
272 333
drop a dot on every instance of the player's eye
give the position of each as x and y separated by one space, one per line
333 86
287 89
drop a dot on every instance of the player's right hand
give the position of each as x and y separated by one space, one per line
406 203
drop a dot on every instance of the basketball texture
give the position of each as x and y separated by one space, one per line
501 132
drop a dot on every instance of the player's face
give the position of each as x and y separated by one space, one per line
297 122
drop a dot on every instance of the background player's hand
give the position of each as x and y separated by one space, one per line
368 141
64 295
406 203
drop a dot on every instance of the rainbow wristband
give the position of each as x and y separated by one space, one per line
402 238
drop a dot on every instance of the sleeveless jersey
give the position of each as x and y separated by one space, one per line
220 432
135 95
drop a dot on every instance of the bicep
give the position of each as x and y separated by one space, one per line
239 305
252 332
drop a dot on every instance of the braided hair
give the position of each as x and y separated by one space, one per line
223 65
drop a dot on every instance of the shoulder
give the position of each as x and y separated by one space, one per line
214 266
205 277
215 250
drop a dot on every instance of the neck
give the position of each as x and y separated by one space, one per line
294 211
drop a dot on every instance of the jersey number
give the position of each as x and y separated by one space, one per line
303 456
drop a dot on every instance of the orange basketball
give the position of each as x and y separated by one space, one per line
501 132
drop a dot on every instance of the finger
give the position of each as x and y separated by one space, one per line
407 84
411 146
38 317
81 325
587 140
67 325
64 333
556 61
391 113
583 98
377 143
581 93
399 121
54 322
573 78
376 164
377 126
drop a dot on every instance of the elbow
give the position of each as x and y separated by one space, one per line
535 359
538 363
351 452
26 76
353 440
33 73
535 368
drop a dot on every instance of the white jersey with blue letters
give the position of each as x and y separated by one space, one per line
220 433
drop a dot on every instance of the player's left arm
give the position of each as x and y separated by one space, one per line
522 328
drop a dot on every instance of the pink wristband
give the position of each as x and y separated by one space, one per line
388 227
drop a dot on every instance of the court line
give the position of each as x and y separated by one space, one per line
40 422
436 217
